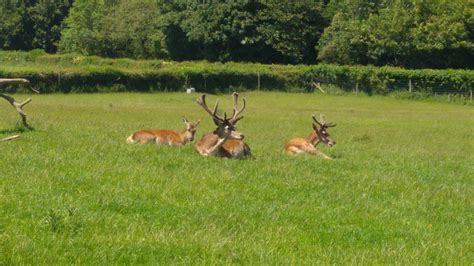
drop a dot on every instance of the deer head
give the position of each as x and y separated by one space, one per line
191 128
320 128
225 126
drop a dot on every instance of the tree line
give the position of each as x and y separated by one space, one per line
406 33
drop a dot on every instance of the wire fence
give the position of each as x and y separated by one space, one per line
459 89
450 91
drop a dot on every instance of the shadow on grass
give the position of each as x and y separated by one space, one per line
16 130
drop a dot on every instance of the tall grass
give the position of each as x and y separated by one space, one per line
399 191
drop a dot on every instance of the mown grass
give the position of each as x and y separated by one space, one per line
399 191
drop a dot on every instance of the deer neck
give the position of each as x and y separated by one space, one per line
186 136
313 138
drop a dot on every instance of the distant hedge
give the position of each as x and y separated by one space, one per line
76 73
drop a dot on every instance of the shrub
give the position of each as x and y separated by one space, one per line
74 73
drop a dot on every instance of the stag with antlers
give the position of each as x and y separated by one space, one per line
308 145
225 140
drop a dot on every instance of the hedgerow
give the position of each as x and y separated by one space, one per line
77 73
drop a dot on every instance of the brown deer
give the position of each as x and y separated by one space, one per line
165 136
308 145
225 140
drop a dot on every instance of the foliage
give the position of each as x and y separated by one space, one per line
408 33
72 72
244 30
31 24
83 28
398 192
291 28
114 29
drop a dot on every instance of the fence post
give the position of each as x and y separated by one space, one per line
409 86
258 80
471 95
357 88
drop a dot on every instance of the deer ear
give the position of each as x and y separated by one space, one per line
315 127
185 120
197 122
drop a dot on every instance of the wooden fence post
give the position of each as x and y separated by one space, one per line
357 88
471 95
258 80
409 86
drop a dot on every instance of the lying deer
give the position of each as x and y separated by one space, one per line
225 140
165 136
308 145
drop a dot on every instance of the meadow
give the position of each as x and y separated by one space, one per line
400 189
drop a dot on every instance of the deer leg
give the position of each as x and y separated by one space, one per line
294 150
313 151
214 149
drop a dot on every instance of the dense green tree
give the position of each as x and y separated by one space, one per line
411 33
26 25
83 32
248 30
291 28
217 29
115 28
134 28
239 30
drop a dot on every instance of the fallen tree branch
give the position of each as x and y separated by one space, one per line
18 81
18 106
9 138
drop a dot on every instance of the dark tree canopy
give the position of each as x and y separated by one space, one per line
408 33
31 24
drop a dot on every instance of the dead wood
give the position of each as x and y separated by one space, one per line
18 106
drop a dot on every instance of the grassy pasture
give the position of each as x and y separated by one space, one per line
399 190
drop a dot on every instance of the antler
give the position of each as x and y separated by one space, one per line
323 123
236 112
202 102
316 121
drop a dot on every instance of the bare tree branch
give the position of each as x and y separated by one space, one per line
18 81
9 138
18 106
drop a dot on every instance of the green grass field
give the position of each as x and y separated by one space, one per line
400 189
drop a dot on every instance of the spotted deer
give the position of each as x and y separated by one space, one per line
308 145
165 136
225 141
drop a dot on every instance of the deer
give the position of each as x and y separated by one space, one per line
165 136
225 141
308 145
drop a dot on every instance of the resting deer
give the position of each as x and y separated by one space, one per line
225 140
165 136
308 145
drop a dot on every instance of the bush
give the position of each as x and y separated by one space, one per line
76 73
